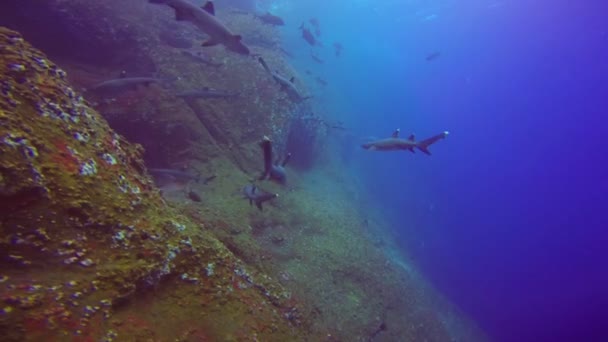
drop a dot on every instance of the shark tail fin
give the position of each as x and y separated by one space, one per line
424 144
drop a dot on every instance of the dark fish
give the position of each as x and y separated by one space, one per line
315 23
200 57
338 47
270 19
209 179
207 93
432 56
257 195
194 196
204 19
316 58
307 35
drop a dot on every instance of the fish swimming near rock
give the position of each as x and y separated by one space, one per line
321 81
308 36
432 56
315 23
204 19
270 19
338 49
316 58
394 143
273 171
207 93
286 85
257 195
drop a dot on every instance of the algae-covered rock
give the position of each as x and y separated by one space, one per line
89 250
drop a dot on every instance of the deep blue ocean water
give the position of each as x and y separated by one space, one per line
509 216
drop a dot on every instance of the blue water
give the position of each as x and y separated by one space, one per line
509 217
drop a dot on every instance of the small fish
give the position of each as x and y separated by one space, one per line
432 56
321 81
209 179
307 35
338 49
271 19
195 197
257 195
316 58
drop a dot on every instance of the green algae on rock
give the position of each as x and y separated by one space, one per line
87 244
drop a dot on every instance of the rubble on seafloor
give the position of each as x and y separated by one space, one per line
85 234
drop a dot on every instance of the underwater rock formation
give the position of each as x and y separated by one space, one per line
89 250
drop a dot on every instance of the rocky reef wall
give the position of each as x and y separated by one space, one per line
86 239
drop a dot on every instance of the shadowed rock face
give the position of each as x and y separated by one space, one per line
85 235
75 30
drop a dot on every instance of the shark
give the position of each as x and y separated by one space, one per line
287 86
395 143
257 195
122 84
204 19
207 93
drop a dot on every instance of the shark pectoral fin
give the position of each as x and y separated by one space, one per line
210 42
209 8
424 149
411 149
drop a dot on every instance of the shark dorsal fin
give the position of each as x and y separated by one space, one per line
292 79
412 137
209 8
396 133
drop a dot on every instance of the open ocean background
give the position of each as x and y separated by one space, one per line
508 218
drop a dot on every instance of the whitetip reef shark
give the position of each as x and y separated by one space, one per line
394 143
204 18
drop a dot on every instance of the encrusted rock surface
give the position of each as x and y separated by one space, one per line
87 244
